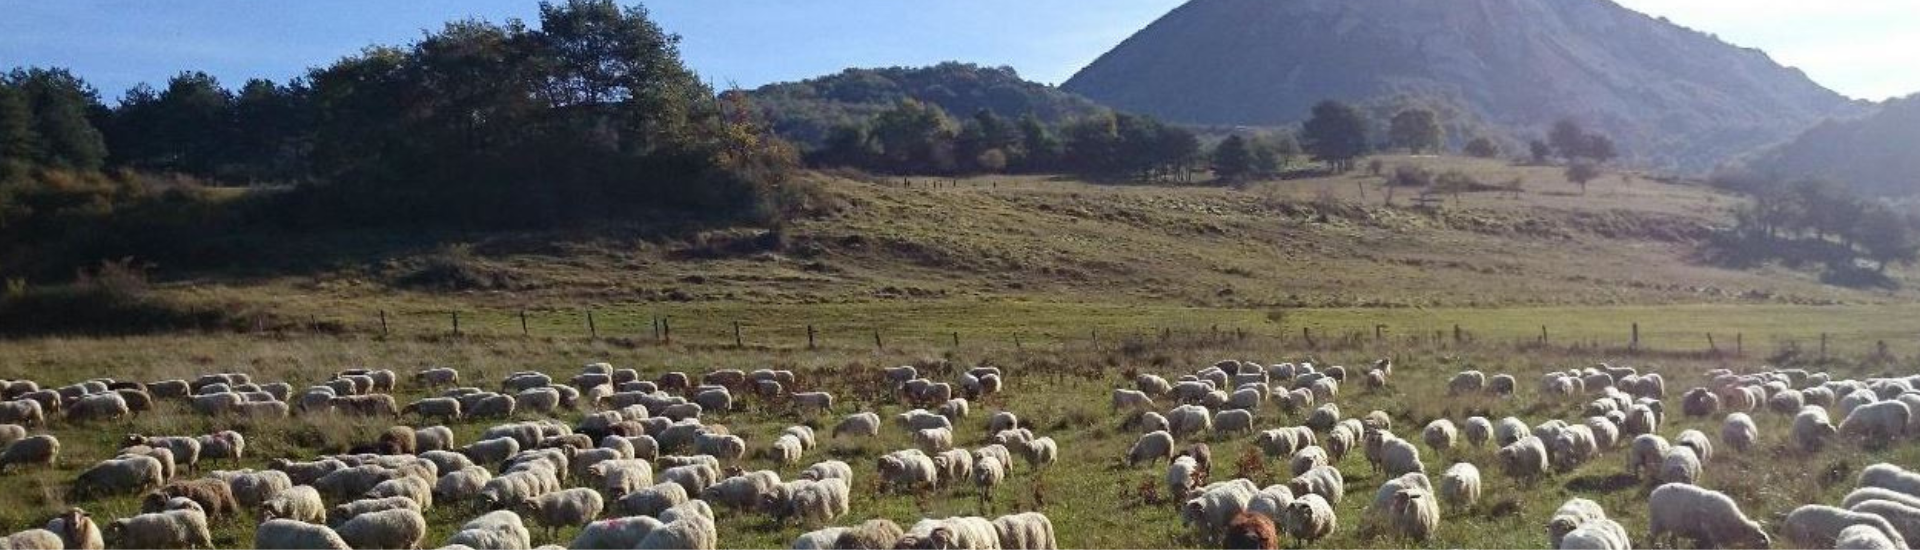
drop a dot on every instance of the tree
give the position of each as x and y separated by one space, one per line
1483 147
1233 159
18 142
1581 172
1887 237
1272 154
60 102
1540 151
1042 147
1599 148
1418 130
1568 139
992 161
915 137
1336 134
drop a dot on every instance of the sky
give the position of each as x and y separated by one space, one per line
1862 48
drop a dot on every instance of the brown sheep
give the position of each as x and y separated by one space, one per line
212 495
1249 530
398 440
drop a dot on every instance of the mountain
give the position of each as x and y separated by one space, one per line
1670 96
806 111
1874 154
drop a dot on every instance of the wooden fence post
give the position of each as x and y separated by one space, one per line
1823 346
523 324
666 329
456 323
1739 344
876 340
1543 335
956 338
1016 341
1634 345
593 330
1713 346
1458 337
656 328
809 336
383 323
736 336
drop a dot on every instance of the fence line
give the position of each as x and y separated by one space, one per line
794 334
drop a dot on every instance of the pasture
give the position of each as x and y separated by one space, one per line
1059 390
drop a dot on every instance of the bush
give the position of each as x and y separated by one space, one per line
1410 176
113 299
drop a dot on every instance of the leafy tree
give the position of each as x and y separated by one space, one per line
1540 151
1042 147
1418 130
1336 134
848 145
1599 148
18 142
992 161
1233 159
1568 139
1483 147
915 137
60 102
1887 236
1272 154
1581 172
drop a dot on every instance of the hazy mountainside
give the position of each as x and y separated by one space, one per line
805 111
1874 154
1669 95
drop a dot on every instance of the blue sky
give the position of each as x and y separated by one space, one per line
1862 48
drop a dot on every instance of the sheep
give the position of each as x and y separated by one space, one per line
954 465
446 409
1571 515
40 449
290 534
1189 420
1879 422
1786 402
1233 421
416 489
689 532
959 532
1640 420
1905 518
818 539
876 533
300 473
1699 402
490 451
1031 531
1597 534
742 491
1297 400
1460 485
497 529
10 433
1890 477
1284 441
577 506
1309 518
125 475
1811 429
652 500
1860 537
401 528
355 508
1708 518
226 444
1817 526
813 502
831 469
1471 381
169 529
76 530
1477 430
24 412
1325 481
1739 432
298 503
908 469
1152 448
1647 452
35 539
254 487
1216 504
1680 465
626 532
1501 385
1414 513
1324 417
1012 437
1526 457
692 477
99 406
1440 434
1864 494
462 484
1271 502
1183 474
1397 456
864 424
1509 430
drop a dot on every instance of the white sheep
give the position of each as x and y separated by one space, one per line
1460 485
350 510
831 469
689 532
576 506
498 529
1707 517
1040 453
653 499
99 406
1647 452
818 539
955 465
1905 518
1440 434
1151 448
25 412
1309 518
1681 465
1216 505
399 528
1324 417
1306 459
1508 430
414 488
1863 537
618 533
1864 494
1325 481
1271 502
1183 474
1572 514
1414 513
126 475
251 488
1879 422
812 502
1233 421
168 529
1597 534
933 440
1817 526
1398 456
298 503
692 477
1025 531
1738 431
1526 457
290 534
727 448
226 444
1811 429
1890 477
1189 420
76 530
742 491
864 424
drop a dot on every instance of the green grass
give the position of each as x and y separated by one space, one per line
1061 390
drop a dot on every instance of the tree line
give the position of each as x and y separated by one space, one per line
586 114
915 137
1818 222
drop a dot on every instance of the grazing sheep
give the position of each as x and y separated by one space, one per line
10 433
1786 402
169 529
692 477
1879 422
686 531
298 503
497 529
25 412
352 509
1028 531
301 473
1524 458
831 469
1817 526
812 502
1811 429
1233 421
228 444
1647 452
1306 459
214 496
1325 481
1152 447
1309 518
1597 534
1471 381
652 500
1890 477
577 506
1864 537
413 488
39 449
864 424
955 466
399 528
99 406
1681 465
1571 516
1216 504
290 534
1324 417
1189 420
1509 430
125 475
462 484
1398 456
1905 518
1699 402
1708 518
445 409
1640 420
1183 474
1739 432
1440 434
1864 494
1460 485
742 491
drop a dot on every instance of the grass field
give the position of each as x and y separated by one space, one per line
1059 390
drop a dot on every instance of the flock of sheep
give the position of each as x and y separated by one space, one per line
1623 414
639 470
